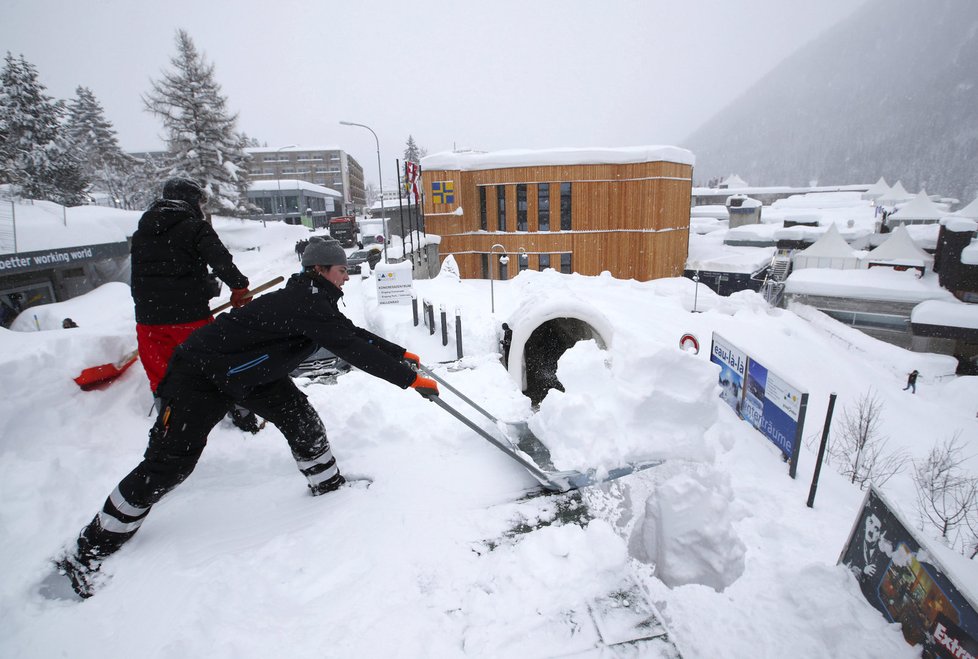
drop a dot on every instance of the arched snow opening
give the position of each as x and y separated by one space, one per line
543 329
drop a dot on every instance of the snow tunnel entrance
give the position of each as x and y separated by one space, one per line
545 346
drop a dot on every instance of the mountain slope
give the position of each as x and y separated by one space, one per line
891 91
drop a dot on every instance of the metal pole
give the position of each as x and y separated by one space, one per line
414 308
821 450
444 325
380 176
458 332
278 178
400 210
492 294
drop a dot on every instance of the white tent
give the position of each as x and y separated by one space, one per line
897 195
733 181
899 250
876 190
970 211
829 251
921 210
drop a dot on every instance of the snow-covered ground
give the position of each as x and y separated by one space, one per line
443 556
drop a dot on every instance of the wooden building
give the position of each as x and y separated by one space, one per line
575 210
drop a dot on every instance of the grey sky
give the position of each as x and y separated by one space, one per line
491 75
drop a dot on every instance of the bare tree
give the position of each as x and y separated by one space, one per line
947 497
859 446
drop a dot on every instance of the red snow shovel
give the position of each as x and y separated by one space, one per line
97 377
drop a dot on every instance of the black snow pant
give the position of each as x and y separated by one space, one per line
191 406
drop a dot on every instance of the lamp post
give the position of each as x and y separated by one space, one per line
492 293
696 291
380 178
279 177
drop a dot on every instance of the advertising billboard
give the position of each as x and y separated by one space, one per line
904 582
771 404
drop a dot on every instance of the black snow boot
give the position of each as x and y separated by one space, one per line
82 572
334 483
246 420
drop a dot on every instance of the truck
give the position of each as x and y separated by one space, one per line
344 229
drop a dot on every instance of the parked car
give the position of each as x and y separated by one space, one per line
355 261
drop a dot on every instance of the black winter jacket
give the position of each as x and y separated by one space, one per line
265 340
171 250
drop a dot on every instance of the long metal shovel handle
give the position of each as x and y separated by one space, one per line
253 292
427 371
529 465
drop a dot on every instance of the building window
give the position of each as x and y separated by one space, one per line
544 262
565 264
483 222
503 271
543 207
485 266
521 207
501 210
522 262
565 206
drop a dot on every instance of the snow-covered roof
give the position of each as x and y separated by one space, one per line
831 244
971 210
877 189
291 149
896 194
959 224
920 208
286 185
945 312
734 181
470 161
872 284
901 248
393 204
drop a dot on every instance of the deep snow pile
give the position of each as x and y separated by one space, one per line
441 557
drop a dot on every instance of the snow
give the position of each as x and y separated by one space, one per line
920 208
275 185
469 161
952 314
880 283
441 557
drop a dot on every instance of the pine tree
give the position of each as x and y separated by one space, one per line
202 142
35 154
94 140
412 153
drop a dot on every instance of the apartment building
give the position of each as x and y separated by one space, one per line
329 166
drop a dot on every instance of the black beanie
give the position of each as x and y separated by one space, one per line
183 189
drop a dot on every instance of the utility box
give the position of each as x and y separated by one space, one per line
743 210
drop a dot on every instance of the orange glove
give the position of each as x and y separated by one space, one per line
412 358
425 386
239 297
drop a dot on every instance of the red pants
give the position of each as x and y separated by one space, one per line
156 344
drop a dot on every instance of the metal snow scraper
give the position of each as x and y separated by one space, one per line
528 449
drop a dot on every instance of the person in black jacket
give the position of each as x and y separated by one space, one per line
171 288
245 356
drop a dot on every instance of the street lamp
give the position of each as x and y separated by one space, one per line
380 177
278 168
492 293
696 278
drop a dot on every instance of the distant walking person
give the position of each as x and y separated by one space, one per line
912 381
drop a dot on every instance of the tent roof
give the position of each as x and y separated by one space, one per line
970 211
734 181
896 194
831 243
920 208
899 247
878 188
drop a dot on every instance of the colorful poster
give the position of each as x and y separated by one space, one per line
904 582
733 366
772 406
